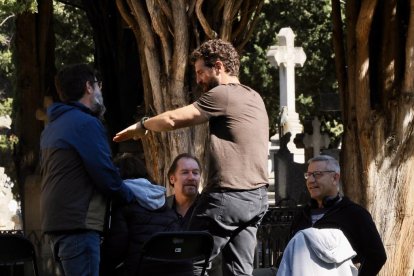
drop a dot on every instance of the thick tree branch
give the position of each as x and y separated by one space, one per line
218 7
351 154
191 7
160 27
165 8
227 22
180 57
150 55
128 18
250 26
363 29
210 33
245 15
363 104
236 7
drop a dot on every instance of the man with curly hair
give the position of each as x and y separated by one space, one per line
234 199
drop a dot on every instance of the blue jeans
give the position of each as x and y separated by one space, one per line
77 254
232 218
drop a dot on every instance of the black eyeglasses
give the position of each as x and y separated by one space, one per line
316 174
99 83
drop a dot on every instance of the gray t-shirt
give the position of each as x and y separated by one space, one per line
239 135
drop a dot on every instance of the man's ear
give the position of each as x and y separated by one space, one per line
88 87
218 65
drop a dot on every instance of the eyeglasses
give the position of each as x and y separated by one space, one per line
99 83
316 174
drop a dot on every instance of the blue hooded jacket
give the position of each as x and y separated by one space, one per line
77 170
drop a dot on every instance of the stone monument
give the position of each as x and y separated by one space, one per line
286 57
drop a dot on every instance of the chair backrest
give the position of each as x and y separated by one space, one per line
15 248
179 246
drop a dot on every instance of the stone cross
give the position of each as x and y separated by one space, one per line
317 141
285 57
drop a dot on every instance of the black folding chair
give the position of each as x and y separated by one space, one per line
167 247
15 249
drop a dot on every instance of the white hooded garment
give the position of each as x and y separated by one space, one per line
318 252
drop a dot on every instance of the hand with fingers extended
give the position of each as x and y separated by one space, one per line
134 131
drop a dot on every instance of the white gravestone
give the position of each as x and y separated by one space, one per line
286 56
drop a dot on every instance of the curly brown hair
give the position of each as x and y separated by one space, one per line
217 49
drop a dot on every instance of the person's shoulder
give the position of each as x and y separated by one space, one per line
353 206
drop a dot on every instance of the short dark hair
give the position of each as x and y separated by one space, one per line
131 166
174 164
217 49
71 80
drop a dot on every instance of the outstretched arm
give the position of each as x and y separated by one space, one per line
182 117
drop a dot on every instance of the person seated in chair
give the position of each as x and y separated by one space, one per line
329 209
184 176
133 224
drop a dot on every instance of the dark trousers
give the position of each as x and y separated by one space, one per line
232 217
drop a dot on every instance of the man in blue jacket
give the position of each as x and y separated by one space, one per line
77 172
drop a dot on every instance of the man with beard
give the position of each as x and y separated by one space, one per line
235 197
77 172
184 176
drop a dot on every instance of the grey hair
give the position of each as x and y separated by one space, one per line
332 163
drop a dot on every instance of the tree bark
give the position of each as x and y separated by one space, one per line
34 46
378 109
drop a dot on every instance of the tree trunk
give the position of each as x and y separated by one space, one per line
166 33
34 48
377 156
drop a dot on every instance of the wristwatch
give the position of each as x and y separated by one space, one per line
143 119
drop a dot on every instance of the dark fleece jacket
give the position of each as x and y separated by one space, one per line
357 225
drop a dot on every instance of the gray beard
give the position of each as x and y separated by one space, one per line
98 107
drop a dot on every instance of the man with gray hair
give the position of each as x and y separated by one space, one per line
329 209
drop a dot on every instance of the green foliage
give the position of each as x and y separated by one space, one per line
73 34
6 107
8 9
311 23
6 139
17 6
